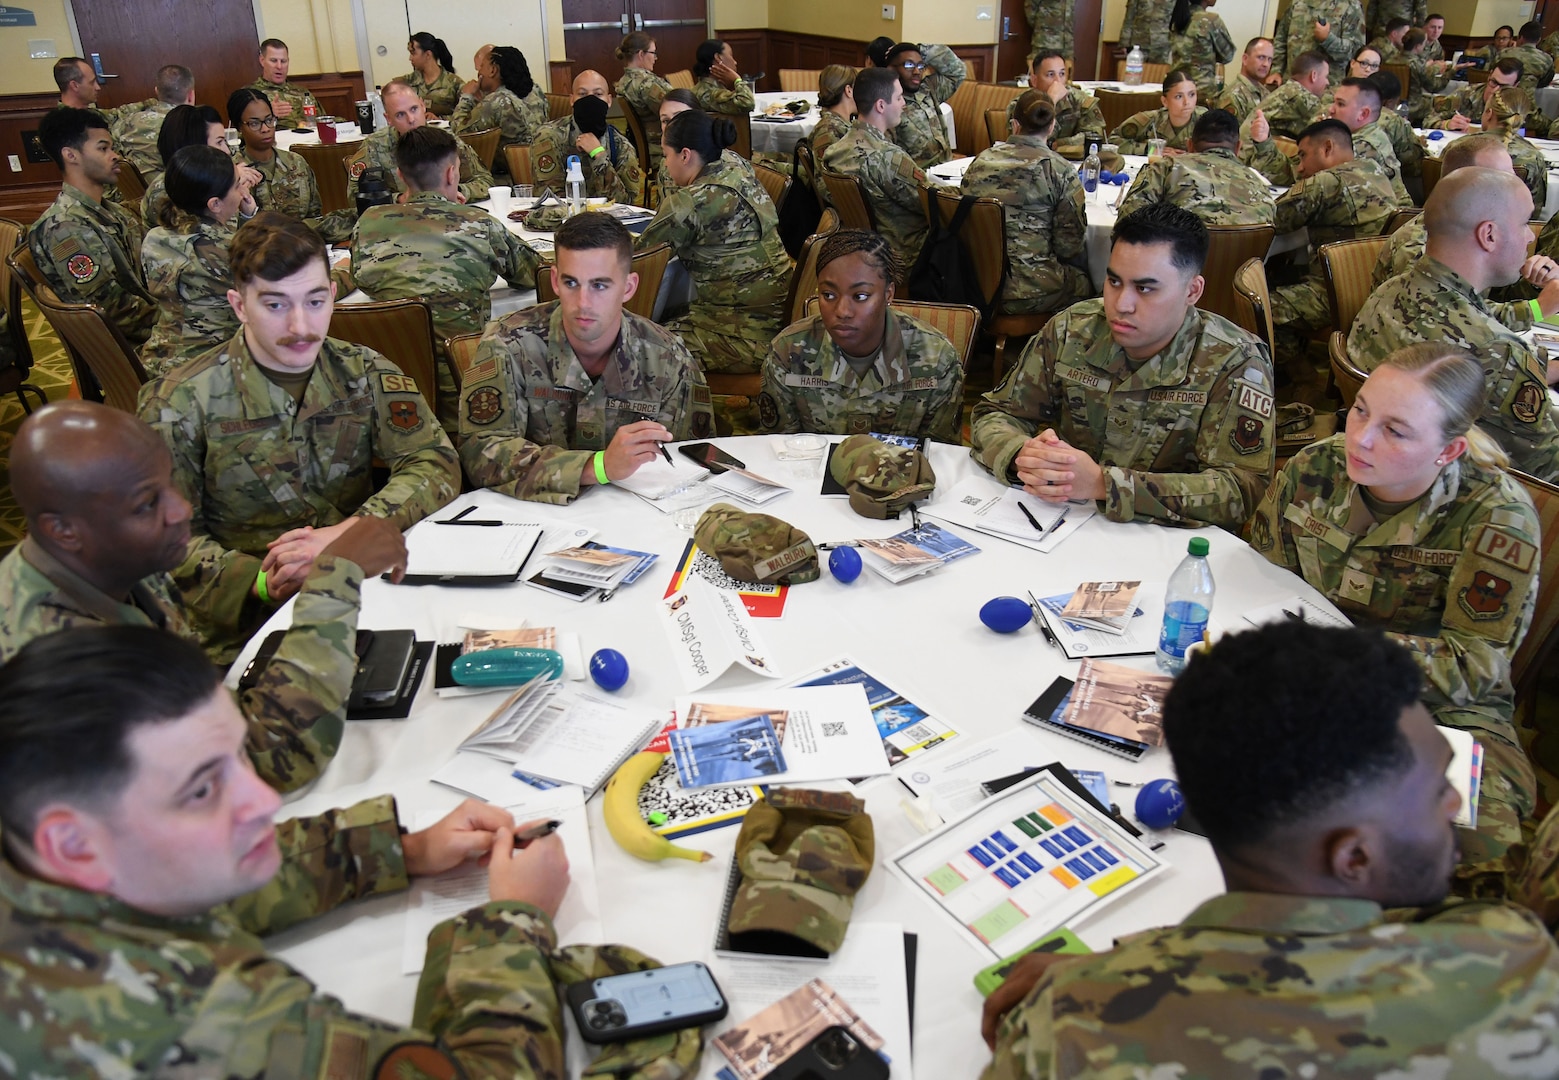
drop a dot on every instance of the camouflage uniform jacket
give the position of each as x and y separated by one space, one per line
1390 52
1550 44
1289 109
1184 437
1346 201
187 271
1077 116
1046 223
914 386
1453 577
1255 985
1406 246
1537 67
1529 157
90 252
531 418
831 127
613 174
1467 102
378 152
152 202
713 97
1134 132
290 92
1198 52
295 713
288 186
135 139
1146 24
1422 85
254 464
667 185
1372 143
516 118
1243 96
1212 184
643 91
1050 25
891 180
114 991
441 95
1383 11
1404 142
921 133
1433 303
1345 18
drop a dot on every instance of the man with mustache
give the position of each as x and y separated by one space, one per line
274 434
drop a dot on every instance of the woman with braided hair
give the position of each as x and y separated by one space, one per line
858 365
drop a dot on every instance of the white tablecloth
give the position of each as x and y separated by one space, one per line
781 138
923 634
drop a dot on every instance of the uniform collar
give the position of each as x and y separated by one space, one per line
1219 152
871 132
1167 367
1409 525
1026 140
46 900
85 596
262 398
81 198
891 366
1281 913
568 371
427 197
1444 276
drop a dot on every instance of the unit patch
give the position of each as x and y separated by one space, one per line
484 405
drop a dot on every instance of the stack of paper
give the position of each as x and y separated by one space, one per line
479 547
981 504
914 552
1077 638
1102 605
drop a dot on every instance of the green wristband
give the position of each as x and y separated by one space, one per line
259 588
1537 312
600 468
598 151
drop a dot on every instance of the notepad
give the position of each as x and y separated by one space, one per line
468 554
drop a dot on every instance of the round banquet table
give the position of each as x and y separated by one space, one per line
922 637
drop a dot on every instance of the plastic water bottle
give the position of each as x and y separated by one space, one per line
1187 602
1092 166
1134 66
376 100
576 185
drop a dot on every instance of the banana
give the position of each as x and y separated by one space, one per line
621 810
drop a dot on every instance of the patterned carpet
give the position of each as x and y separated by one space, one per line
51 374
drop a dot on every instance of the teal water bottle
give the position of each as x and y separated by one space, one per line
1188 600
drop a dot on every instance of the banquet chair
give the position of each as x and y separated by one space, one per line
803 284
484 144
799 80
399 330
1345 373
1228 248
518 159
461 350
1349 266
776 183
14 368
105 364
1252 302
848 199
1535 650
329 165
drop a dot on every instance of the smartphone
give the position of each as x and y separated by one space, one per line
251 676
711 457
382 669
643 1003
833 1054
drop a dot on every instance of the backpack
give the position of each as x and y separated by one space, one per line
944 273
799 216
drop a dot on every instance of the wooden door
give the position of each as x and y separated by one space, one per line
1087 24
592 30
1012 51
215 39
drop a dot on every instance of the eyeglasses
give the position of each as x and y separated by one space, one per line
1368 65
913 65
260 125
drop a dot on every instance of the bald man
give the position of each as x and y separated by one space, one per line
105 525
1476 221
611 166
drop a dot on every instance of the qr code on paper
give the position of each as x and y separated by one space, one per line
832 728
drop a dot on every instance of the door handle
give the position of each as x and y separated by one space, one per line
638 21
624 23
1006 27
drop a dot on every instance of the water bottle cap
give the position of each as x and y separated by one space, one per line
1198 545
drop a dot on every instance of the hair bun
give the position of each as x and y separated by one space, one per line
722 132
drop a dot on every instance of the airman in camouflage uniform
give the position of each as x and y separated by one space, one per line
1404 142
1146 24
1348 200
255 464
439 96
188 274
1537 66
288 187
1452 577
447 254
135 138
295 95
517 119
1242 96
1433 302
921 133
1184 437
831 127
1134 132
1211 183
891 180
724 229
1198 52
89 251
1390 52
1371 143
713 97
1050 25
614 175
1510 109
730 158
1077 117
1045 220
913 387
1422 85
378 152
1345 34
531 418
1201 998
1415 12
1289 109
642 91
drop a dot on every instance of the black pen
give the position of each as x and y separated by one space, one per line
838 544
535 832
1044 627
1032 519
461 519
660 445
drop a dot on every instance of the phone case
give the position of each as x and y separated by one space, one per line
601 1020
833 1054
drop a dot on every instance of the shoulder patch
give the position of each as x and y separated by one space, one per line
392 382
546 163
405 417
701 395
768 411
81 268
1247 436
484 405
1253 400
1526 404
1504 548
357 168
1484 599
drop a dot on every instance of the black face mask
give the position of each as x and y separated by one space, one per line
590 115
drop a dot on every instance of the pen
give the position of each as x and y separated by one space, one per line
660 445
1056 524
535 832
1032 519
461 519
838 544
1044 627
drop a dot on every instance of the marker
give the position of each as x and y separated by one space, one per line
1032 519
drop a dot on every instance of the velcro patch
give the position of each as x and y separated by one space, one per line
81 268
921 384
1254 400
1178 397
643 408
1090 379
65 248
806 382
1247 435
1504 548
357 168
483 369
546 164
768 411
238 427
1484 599
404 416
1425 556
396 383
701 395
1526 404
484 405
1321 530
775 565
552 393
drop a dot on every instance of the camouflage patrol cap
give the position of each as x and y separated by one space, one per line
880 478
803 856
757 547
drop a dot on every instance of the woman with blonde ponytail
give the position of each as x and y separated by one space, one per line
1409 523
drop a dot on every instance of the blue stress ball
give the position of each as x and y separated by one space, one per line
1006 614
1106 176
845 564
1436 136
1160 804
609 669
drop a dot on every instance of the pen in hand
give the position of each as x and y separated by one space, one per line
660 445
535 832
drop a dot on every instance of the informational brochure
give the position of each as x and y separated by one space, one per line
906 728
710 632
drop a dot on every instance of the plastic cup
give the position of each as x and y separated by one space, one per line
1155 148
498 199
522 191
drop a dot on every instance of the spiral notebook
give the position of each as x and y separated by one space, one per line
1048 710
